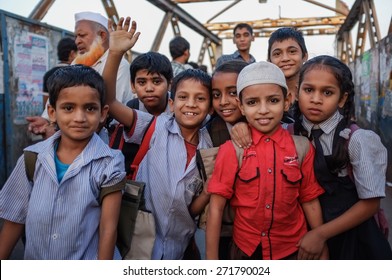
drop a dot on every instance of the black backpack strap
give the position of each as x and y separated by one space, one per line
30 158
133 103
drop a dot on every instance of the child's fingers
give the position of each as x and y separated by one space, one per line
126 23
120 23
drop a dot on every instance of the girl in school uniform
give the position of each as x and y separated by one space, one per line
352 172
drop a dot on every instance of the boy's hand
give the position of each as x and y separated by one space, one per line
124 37
240 134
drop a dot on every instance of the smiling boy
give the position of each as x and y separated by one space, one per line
173 186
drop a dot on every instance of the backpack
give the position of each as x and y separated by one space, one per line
205 160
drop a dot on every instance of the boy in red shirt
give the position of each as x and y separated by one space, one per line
273 195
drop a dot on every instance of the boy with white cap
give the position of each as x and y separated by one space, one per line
273 195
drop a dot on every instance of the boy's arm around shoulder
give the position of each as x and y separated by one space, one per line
121 40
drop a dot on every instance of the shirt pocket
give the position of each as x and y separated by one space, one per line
248 184
292 177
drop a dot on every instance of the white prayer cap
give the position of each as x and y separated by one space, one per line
260 73
91 16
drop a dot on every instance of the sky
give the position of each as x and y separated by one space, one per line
149 18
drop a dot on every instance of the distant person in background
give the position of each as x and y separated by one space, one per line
92 41
243 38
66 53
179 49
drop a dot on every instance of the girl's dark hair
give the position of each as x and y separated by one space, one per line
153 62
74 75
342 73
191 74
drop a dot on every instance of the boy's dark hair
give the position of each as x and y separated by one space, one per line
194 64
285 33
231 66
243 25
339 158
64 48
177 46
191 74
153 62
75 75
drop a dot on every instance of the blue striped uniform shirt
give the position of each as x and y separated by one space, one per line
368 156
62 219
170 185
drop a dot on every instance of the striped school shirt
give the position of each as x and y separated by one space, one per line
368 156
170 185
62 219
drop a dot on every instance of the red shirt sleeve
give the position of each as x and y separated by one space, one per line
225 170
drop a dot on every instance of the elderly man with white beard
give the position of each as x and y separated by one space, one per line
92 41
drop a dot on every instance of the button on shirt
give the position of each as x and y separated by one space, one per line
170 185
62 219
268 192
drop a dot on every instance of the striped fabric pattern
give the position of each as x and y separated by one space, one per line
170 187
62 219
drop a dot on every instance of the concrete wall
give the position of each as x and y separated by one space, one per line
373 86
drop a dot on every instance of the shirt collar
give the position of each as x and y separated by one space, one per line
88 154
277 136
326 126
204 137
237 55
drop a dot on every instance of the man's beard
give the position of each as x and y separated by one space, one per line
91 57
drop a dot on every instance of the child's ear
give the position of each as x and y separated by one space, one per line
211 111
133 87
343 100
104 113
51 113
286 103
241 106
305 58
171 105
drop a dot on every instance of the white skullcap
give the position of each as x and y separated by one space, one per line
260 73
91 16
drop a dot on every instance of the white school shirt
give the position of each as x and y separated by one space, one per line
170 187
62 219
368 156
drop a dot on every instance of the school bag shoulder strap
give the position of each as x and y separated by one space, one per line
116 140
133 103
143 148
239 153
30 159
302 145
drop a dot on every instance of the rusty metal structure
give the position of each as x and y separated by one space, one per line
341 25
